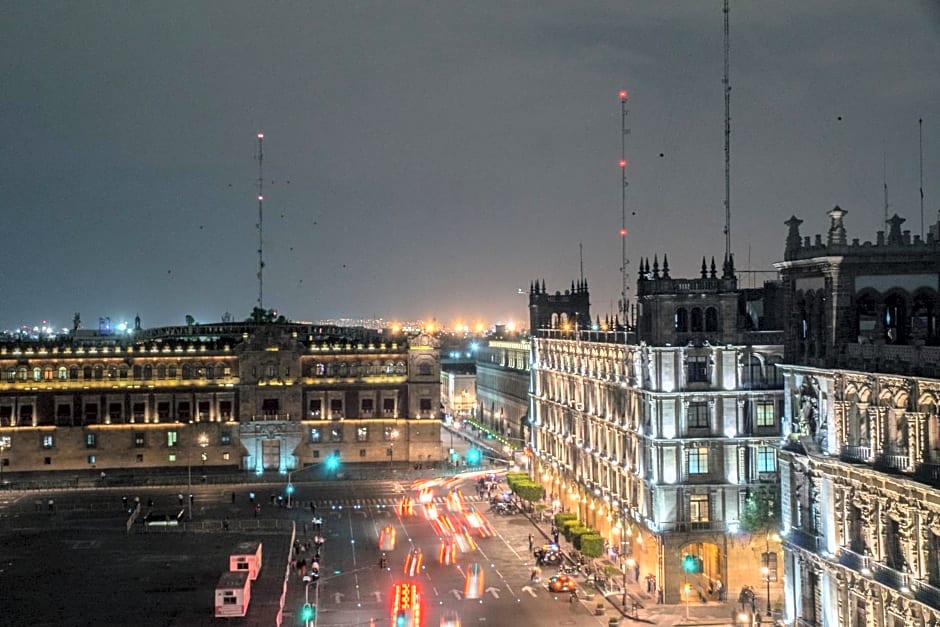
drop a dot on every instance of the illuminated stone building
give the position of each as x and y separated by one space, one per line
502 367
657 436
860 469
254 396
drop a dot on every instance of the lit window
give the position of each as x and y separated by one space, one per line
362 434
225 437
765 414
139 439
698 461
316 435
92 459
698 508
172 438
766 459
336 434
91 440
48 441
226 455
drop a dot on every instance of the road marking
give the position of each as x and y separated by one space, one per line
530 590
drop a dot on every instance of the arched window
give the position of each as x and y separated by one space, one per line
923 323
682 320
711 320
148 372
866 310
63 373
37 374
895 320
73 373
697 325
86 373
99 372
161 372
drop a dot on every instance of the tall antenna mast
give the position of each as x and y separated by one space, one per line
727 84
260 220
920 134
624 288
581 257
884 174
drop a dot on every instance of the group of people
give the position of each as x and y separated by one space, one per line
748 599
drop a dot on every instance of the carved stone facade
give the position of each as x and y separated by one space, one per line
861 464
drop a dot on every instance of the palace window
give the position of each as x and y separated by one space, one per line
336 434
765 414
315 408
698 508
696 369
766 459
91 440
139 439
316 435
63 373
48 441
698 415
362 434
172 438
698 461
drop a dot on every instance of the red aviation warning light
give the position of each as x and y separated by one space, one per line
406 607
261 135
623 232
623 163
623 94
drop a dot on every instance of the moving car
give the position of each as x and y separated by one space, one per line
562 583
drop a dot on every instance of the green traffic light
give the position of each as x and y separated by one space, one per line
308 612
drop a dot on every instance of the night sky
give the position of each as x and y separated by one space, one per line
429 159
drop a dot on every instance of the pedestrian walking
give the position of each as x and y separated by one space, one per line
179 497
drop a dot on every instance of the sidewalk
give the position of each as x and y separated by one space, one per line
639 605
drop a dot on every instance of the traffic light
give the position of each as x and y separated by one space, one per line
308 612
692 564
332 462
290 488
401 620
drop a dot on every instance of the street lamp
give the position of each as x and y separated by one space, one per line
3 448
203 442
392 436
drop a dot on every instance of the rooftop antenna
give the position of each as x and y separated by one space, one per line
884 165
727 84
624 287
260 220
581 256
920 137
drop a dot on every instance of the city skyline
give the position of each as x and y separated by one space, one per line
428 162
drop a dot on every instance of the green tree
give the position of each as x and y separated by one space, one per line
761 510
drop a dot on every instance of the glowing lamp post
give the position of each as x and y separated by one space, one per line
203 442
